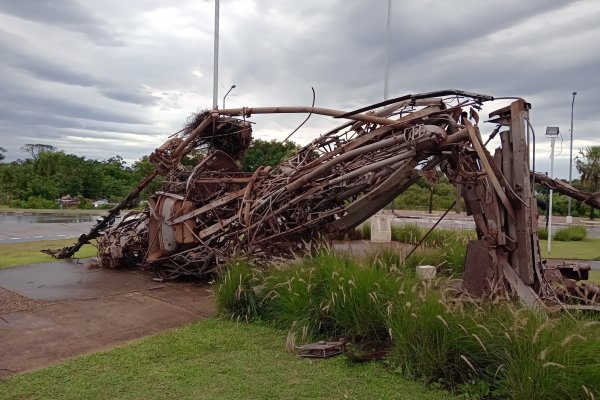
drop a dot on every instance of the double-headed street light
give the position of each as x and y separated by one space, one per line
224 97
569 217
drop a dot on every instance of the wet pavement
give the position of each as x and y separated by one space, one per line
30 232
55 311
26 228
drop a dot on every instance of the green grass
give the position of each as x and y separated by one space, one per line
14 254
67 211
573 233
212 359
594 277
435 334
581 250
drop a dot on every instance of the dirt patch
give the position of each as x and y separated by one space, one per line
11 302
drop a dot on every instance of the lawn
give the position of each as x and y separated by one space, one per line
67 211
13 254
213 359
588 249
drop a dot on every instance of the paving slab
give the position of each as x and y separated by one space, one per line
71 309
72 280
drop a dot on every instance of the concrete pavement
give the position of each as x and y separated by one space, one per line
54 311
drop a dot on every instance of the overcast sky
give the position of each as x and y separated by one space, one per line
112 77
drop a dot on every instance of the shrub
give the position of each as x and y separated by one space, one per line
571 233
34 202
84 204
543 233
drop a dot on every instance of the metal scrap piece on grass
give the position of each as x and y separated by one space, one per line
322 349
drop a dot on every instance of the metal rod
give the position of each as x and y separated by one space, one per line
429 231
569 218
224 97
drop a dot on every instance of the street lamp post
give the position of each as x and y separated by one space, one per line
224 97
216 58
569 217
552 133
388 41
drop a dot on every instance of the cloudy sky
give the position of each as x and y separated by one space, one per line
117 77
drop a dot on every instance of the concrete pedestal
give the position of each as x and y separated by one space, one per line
381 230
426 272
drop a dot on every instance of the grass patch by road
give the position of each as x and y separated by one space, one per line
594 277
67 211
14 254
588 249
213 359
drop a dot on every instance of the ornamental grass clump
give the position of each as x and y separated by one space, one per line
484 348
546 358
236 292
332 295
573 233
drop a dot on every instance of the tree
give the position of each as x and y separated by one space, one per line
588 165
2 151
263 153
35 149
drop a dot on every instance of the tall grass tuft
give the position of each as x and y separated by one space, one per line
366 230
435 333
571 234
407 233
236 292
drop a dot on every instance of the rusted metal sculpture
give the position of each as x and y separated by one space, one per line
205 215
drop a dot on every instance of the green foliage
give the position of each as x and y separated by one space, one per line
84 204
543 233
235 294
416 197
570 234
488 349
365 229
264 153
407 233
588 165
51 173
35 202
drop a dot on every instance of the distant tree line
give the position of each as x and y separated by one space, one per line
48 173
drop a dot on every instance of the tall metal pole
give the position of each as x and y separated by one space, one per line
550 196
388 40
216 60
569 217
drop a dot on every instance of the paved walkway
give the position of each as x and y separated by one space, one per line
51 312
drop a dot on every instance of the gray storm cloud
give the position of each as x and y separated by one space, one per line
105 78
